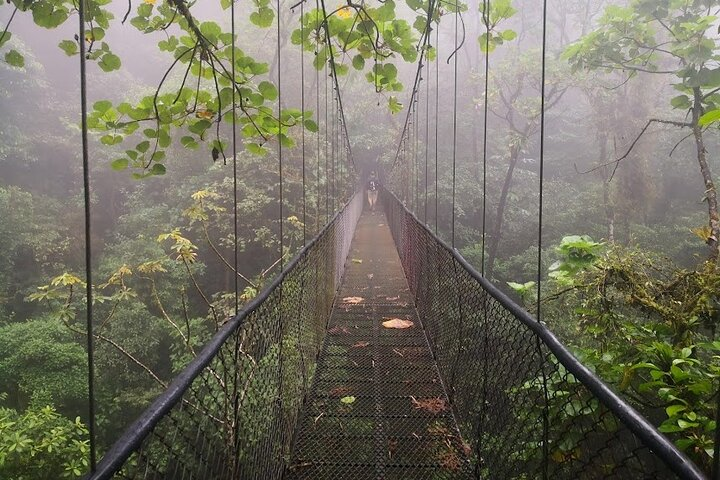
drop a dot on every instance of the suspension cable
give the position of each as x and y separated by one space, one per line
546 413
416 82
427 136
327 170
234 149
486 19
437 115
280 125
415 155
542 156
454 126
302 109
333 70
88 246
317 135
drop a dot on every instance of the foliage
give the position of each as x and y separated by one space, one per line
42 363
648 329
577 253
40 444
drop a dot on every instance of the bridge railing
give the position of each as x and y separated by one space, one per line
527 408
231 412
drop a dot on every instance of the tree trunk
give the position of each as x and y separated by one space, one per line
497 224
609 207
710 192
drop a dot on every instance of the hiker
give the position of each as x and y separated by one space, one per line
373 187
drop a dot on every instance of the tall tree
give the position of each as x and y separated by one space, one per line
674 38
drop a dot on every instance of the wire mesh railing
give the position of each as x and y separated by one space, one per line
525 406
232 412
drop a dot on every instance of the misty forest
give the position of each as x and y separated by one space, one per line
566 149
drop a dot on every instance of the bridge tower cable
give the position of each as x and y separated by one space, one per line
88 247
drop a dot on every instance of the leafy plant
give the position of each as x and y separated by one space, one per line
41 444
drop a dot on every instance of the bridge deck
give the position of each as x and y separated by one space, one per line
378 409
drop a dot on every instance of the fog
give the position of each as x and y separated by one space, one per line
606 172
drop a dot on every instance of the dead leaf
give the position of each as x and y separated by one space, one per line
338 329
356 260
392 447
361 344
339 391
449 460
353 300
370 276
205 114
431 405
392 299
397 323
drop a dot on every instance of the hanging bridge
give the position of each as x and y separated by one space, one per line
310 381
379 353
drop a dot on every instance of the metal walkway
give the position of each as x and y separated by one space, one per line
377 408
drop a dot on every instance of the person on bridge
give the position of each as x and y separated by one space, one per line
373 187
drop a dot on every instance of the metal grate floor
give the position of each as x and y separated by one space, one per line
377 409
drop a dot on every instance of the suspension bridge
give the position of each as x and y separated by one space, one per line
380 353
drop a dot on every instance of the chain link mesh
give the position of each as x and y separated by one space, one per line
234 417
475 389
522 412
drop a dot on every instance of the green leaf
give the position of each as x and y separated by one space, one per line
268 90
311 125
189 142
263 18
109 62
14 58
681 102
102 106
358 62
158 169
508 35
143 147
5 38
394 105
348 400
69 47
120 164
256 149
710 117
673 410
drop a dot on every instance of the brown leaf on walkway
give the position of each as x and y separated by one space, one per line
339 391
449 460
431 405
361 344
353 300
397 323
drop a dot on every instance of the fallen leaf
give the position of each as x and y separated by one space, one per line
353 300
449 460
370 276
338 391
432 405
361 344
381 224
391 299
356 260
398 323
348 400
